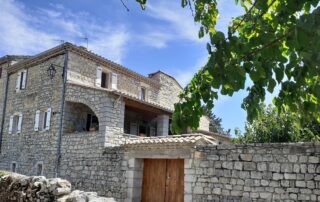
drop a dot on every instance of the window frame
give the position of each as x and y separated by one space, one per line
143 93
107 81
37 168
15 166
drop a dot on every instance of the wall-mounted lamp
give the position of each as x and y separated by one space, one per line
51 71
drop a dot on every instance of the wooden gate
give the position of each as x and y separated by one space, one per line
163 180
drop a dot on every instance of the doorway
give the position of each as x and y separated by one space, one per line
163 180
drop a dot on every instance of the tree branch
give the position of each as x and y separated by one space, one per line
244 17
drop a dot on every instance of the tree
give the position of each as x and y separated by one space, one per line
215 123
271 126
276 42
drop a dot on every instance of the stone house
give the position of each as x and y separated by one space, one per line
68 99
70 113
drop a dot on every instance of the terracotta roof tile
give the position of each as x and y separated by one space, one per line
172 139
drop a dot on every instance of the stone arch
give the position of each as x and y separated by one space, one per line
79 117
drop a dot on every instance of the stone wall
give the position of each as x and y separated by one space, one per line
15 187
83 70
261 172
92 168
30 147
204 123
109 109
169 91
3 78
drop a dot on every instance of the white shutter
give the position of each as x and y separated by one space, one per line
48 119
114 81
19 123
98 78
18 82
24 79
140 93
36 121
10 124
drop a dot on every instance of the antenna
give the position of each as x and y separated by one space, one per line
59 40
87 40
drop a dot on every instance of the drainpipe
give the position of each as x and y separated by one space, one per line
63 91
4 106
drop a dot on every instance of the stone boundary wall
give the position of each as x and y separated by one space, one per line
255 172
16 187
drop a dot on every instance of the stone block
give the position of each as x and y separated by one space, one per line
249 166
290 176
313 159
274 167
277 176
262 166
227 165
246 157
238 165
300 184
286 168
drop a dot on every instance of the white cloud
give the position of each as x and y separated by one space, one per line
175 23
30 31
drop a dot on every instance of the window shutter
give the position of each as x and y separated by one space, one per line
114 81
18 82
98 78
19 123
36 121
48 119
10 124
24 79
140 93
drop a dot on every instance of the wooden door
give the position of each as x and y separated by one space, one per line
175 180
163 180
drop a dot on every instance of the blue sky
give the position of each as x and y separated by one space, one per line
162 37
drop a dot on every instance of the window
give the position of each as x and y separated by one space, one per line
0 72
143 94
92 123
15 124
14 167
21 80
39 169
105 80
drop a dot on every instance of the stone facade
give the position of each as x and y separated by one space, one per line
260 172
169 87
29 147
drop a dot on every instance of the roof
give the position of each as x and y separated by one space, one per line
84 53
7 58
161 72
184 139
217 136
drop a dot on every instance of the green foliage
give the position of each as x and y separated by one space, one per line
275 43
271 126
3 173
215 123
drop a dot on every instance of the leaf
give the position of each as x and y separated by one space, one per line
184 3
272 84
